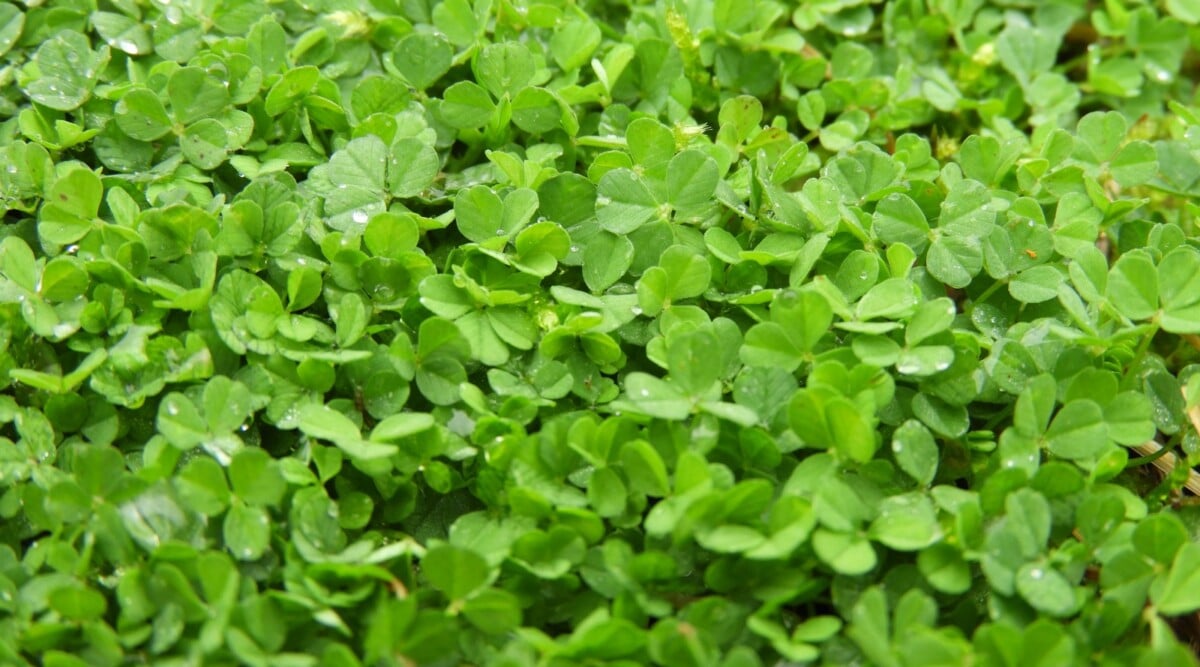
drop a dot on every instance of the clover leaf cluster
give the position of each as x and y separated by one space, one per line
584 332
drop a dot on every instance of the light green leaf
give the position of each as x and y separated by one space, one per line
1133 285
180 422
141 115
1046 589
851 433
68 69
122 33
1160 536
606 260
422 58
931 318
730 539
351 318
536 110
1179 278
465 105
292 87
12 22
656 397
892 298
623 202
401 426
1036 284
325 423
494 611
255 477
1135 164
1035 405
691 179
204 144
954 260
195 94
504 68
574 42
413 167
1078 431
455 571
915 451
458 20
607 493
247 531
644 468
906 522
1177 591
71 207
1100 134
483 217
845 553
945 569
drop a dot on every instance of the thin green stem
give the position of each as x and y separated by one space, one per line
1142 350
985 295
1148 459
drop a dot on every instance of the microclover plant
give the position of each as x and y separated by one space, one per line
548 332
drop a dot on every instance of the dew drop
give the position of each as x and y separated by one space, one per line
644 393
359 216
574 248
636 311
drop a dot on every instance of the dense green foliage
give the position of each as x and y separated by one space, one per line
581 332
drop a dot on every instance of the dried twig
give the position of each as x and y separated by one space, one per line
1166 464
